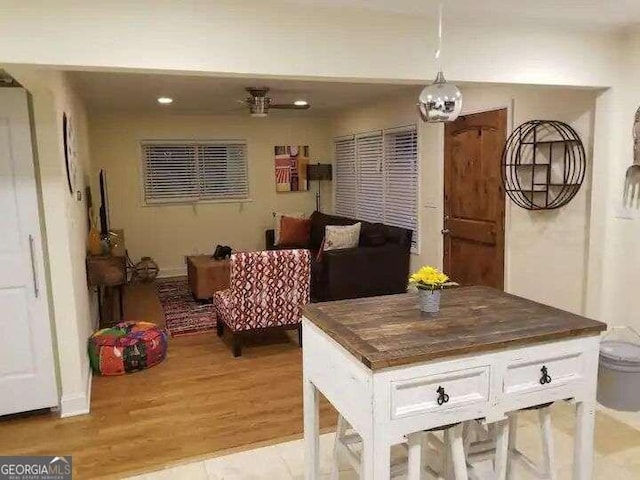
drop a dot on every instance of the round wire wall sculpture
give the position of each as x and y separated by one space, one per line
543 165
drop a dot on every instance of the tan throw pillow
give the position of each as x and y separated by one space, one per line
277 221
338 236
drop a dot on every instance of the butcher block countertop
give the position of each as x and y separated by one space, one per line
390 330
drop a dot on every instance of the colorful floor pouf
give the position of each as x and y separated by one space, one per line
127 347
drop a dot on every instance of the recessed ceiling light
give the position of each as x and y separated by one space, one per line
165 100
301 103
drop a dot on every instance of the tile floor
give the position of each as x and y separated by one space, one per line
617 455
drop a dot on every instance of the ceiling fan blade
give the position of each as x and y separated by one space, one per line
289 106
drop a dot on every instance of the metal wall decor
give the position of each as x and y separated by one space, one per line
631 194
543 165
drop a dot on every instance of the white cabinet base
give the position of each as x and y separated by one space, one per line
385 406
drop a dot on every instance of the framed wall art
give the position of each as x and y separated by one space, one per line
291 168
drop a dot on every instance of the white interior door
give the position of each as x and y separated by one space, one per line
27 375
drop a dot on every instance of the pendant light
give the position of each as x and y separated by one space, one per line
441 101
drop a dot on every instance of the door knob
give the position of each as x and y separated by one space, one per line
444 231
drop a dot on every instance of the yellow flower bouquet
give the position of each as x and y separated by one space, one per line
429 281
428 278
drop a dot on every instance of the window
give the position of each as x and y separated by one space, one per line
345 154
377 178
194 171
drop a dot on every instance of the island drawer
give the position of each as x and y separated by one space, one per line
530 373
439 392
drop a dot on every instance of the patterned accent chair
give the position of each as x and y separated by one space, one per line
267 290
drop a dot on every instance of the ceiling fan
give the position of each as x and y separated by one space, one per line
259 102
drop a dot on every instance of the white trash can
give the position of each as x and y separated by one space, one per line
619 371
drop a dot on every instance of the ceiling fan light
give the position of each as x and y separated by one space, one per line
301 103
165 100
440 102
258 106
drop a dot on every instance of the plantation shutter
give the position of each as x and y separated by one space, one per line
377 178
401 190
170 173
345 157
194 171
370 182
223 171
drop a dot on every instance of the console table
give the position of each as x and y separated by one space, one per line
385 366
106 273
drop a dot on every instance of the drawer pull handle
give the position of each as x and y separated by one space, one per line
442 397
546 378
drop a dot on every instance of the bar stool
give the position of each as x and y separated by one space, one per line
483 443
454 462
546 470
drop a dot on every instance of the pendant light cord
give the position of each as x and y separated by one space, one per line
439 50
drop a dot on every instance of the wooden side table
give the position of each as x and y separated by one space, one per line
207 275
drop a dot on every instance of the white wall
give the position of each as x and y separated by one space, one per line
616 247
74 313
546 252
169 232
245 37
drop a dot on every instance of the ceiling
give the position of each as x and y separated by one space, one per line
586 13
132 92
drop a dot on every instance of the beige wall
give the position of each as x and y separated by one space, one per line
616 245
65 225
169 232
243 37
546 252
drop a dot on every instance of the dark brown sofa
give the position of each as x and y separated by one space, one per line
378 266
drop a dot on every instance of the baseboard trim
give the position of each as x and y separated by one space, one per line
77 403
172 272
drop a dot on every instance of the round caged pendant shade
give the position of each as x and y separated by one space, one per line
440 101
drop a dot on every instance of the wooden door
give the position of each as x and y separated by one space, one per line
27 376
474 201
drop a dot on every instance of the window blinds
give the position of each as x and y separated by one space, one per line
345 155
401 185
370 191
377 178
190 172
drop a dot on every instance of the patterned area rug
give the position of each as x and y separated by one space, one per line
183 314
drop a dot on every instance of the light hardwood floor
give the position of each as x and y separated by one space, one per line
198 403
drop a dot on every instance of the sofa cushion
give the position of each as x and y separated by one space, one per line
372 235
337 237
277 222
318 223
294 232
